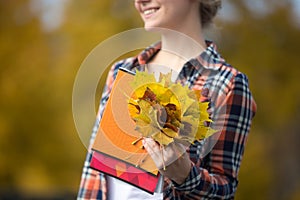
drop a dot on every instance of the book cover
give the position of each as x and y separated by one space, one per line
115 152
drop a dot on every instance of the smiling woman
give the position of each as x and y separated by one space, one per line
206 169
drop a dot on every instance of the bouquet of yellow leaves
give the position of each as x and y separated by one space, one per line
167 111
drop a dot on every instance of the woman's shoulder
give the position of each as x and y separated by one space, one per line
222 79
230 72
212 63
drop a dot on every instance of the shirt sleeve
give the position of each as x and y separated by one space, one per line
215 176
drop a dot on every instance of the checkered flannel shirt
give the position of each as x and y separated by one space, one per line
214 176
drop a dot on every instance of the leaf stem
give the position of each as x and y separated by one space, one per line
162 157
137 140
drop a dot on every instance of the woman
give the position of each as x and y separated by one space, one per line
184 50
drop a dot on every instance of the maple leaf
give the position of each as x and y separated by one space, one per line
162 138
146 122
204 132
133 108
165 79
181 93
142 78
168 111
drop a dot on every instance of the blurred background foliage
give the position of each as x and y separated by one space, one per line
43 43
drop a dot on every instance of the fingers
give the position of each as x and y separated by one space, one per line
154 150
151 146
169 159
173 148
163 155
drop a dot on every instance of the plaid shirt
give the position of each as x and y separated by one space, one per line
213 176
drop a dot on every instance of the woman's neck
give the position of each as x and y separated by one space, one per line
186 46
177 48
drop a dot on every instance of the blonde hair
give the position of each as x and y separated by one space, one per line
208 10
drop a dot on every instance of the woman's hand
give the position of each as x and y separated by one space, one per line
172 160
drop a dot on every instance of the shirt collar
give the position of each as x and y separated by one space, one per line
209 58
145 56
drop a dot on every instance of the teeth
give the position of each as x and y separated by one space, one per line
150 11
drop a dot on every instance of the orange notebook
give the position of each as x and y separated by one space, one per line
114 154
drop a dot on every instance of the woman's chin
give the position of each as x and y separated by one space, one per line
152 28
149 27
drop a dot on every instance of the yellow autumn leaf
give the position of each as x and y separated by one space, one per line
142 78
162 139
189 126
133 110
144 107
204 132
169 132
181 93
167 111
165 79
